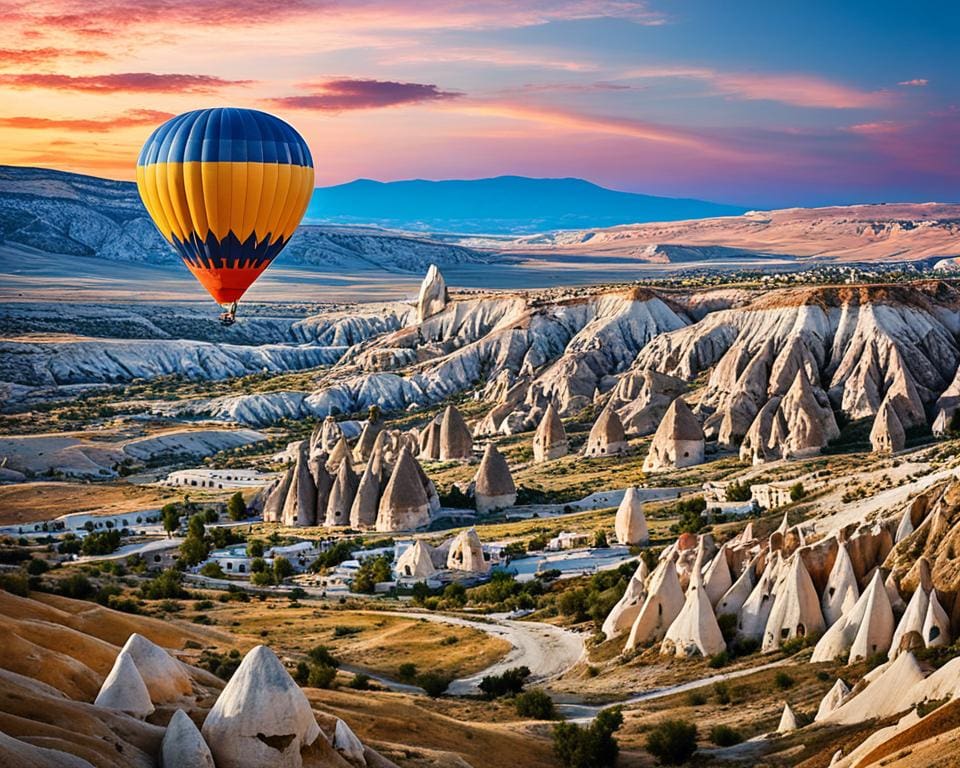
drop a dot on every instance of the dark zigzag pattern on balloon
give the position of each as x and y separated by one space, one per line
228 253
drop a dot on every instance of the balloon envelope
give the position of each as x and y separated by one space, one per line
227 188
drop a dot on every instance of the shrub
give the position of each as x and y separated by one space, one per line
696 699
738 491
407 671
371 572
433 683
510 682
360 682
725 736
76 586
212 570
600 540
262 579
321 655
672 742
254 548
722 690
728 626
302 673
782 680
281 569
593 746
321 676
797 492
535 704
719 660
36 566
165 586
15 583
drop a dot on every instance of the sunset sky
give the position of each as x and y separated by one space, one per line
756 103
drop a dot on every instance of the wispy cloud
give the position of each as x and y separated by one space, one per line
349 94
499 57
917 82
794 89
89 125
18 57
127 82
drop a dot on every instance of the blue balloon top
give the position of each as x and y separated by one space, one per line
226 135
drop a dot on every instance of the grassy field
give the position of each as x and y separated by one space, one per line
375 641
28 502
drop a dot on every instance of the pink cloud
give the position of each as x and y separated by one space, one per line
796 90
349 94
128 82
917 82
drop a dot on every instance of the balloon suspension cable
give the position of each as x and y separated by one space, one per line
229 314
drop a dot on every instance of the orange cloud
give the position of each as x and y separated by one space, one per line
36 56
91 125
127 82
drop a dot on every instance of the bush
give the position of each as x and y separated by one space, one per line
797 492
510 682
600 540
719 660
36 566
407 672
165 586
593 746
433 683
212 570
782 680
302 673
696 699
371 572
321 655
281 569
360 682
15 584
262 579
76 586
722 690
535 704
738 491
254 548
725 736
321 676
672 742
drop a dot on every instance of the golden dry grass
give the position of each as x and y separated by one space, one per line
30 502
373 640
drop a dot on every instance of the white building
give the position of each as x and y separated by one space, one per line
217 479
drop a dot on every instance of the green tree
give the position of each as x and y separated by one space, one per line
593 746
535 704
600 540
258 565
171 518
212 570
194 550
236 507
672 742
197 526
254 548
281 569
797 492
370 573
738 491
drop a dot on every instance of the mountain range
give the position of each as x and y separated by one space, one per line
501 205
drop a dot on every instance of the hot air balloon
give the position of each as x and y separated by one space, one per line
227 188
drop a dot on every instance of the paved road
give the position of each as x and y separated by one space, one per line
547 651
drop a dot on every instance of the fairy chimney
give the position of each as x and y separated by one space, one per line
550 439
493 484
